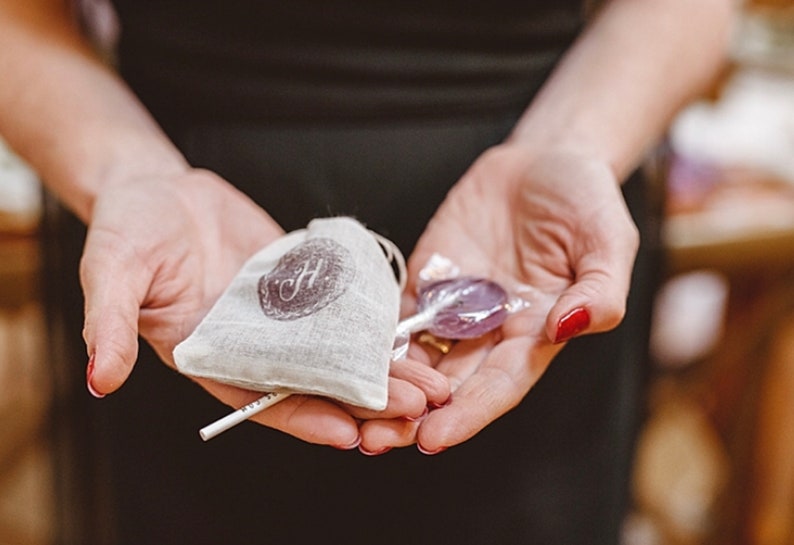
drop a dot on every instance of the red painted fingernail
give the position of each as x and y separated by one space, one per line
351 446
439 450
417 418
89 374
366 452
572 324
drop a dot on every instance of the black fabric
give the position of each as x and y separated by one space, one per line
554 470
254 61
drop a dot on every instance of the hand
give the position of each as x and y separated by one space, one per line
552 226
159 253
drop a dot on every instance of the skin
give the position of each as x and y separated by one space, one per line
542 209
545 229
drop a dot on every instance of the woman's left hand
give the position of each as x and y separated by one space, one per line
551 227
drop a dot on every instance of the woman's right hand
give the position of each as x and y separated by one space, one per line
159 253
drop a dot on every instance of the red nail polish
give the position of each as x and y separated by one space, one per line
89 374
439 450
572 324
366 452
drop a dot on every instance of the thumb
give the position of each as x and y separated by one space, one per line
595 302
114 285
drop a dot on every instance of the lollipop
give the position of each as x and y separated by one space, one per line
457 308
465 308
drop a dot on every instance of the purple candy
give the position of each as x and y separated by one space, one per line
471 307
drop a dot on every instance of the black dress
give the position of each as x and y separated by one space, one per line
372 109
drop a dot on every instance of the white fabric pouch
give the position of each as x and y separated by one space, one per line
314 312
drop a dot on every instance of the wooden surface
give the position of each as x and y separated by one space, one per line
26 479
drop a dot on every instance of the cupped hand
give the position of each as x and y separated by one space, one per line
159 253
553 228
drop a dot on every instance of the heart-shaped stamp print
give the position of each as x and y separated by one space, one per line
306 279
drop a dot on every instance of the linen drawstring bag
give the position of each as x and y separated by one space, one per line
314 312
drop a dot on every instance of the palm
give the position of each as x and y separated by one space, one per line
168 248
553 229
176 254
159 254
526 220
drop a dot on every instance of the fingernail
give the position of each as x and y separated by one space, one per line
572 324
366 452
351 446
417 418
434 405
439 450
89 375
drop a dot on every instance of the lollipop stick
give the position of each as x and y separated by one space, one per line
241 414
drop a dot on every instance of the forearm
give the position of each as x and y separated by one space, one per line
621 83
66 113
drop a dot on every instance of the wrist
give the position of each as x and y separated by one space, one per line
549 133
544 144
633 68
122 160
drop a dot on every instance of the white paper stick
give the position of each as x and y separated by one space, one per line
240 415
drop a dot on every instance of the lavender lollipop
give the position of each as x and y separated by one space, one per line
463 308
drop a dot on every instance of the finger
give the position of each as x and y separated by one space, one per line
418 352
405 399
433 384
511 369
380 436
314 420
596 301
309 418
114 285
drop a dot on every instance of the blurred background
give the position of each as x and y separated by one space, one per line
715 458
